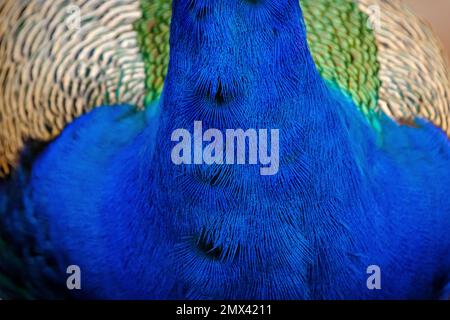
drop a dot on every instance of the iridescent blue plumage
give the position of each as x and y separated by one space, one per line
345 197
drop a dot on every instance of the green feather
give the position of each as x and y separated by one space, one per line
153 38
344 49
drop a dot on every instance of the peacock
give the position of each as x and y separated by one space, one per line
92 92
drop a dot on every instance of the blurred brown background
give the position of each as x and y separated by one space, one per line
437 13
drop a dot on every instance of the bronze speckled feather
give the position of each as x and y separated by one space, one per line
51 71
414 70
54 67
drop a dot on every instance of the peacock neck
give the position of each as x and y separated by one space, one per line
238 63
247 65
